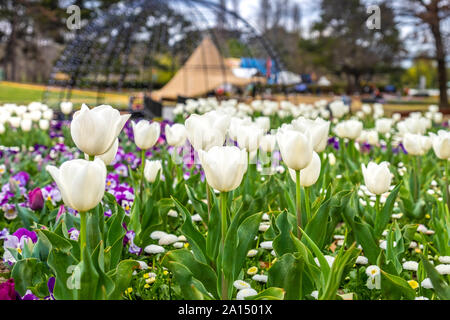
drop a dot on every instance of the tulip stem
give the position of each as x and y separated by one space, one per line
298 197
91 158
142 173
323 168
377 204
446 184
307 204
223 212
82 237
208 198
416 179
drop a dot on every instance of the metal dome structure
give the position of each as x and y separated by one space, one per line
137 45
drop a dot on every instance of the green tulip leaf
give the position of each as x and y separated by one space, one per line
287 273
382 219
395 288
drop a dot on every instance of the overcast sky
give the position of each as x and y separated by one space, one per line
310 12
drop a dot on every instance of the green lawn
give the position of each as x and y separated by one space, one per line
24 94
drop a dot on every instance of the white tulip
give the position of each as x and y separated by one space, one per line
95 130
15 122
248 137
110 155
224 167
219 119
318 129
433 108
378 110
338 109
369 136
416 144
235 126
331 159
81 183
4 116
441 144
145 134
366 108
152 169
310 174
36 115
66 107
396 117
21 110
438 117
48 114
44 124
377 177
350 129
2 128
296 148
360 114
263 123
383 125
33 106
26 124
267 143
176 135
413 124
208 130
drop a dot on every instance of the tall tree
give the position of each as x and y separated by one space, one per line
430 16
264 14
296 18
277 15
346 47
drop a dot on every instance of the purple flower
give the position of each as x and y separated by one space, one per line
21 178
108 212
402 148
366 147
51 286
112 180
4 233
72 211
22 232
29 296
131 158
74 234
126 205
121 169
134 249
334 142
5 196
7 291
10 211
51 193
35 199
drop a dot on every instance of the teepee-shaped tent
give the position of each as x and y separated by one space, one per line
204 71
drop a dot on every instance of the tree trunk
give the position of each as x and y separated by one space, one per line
357 83
10 52
440 57
350 82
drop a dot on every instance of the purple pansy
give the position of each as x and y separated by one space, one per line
7 291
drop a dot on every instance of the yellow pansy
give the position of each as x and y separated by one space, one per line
413 284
